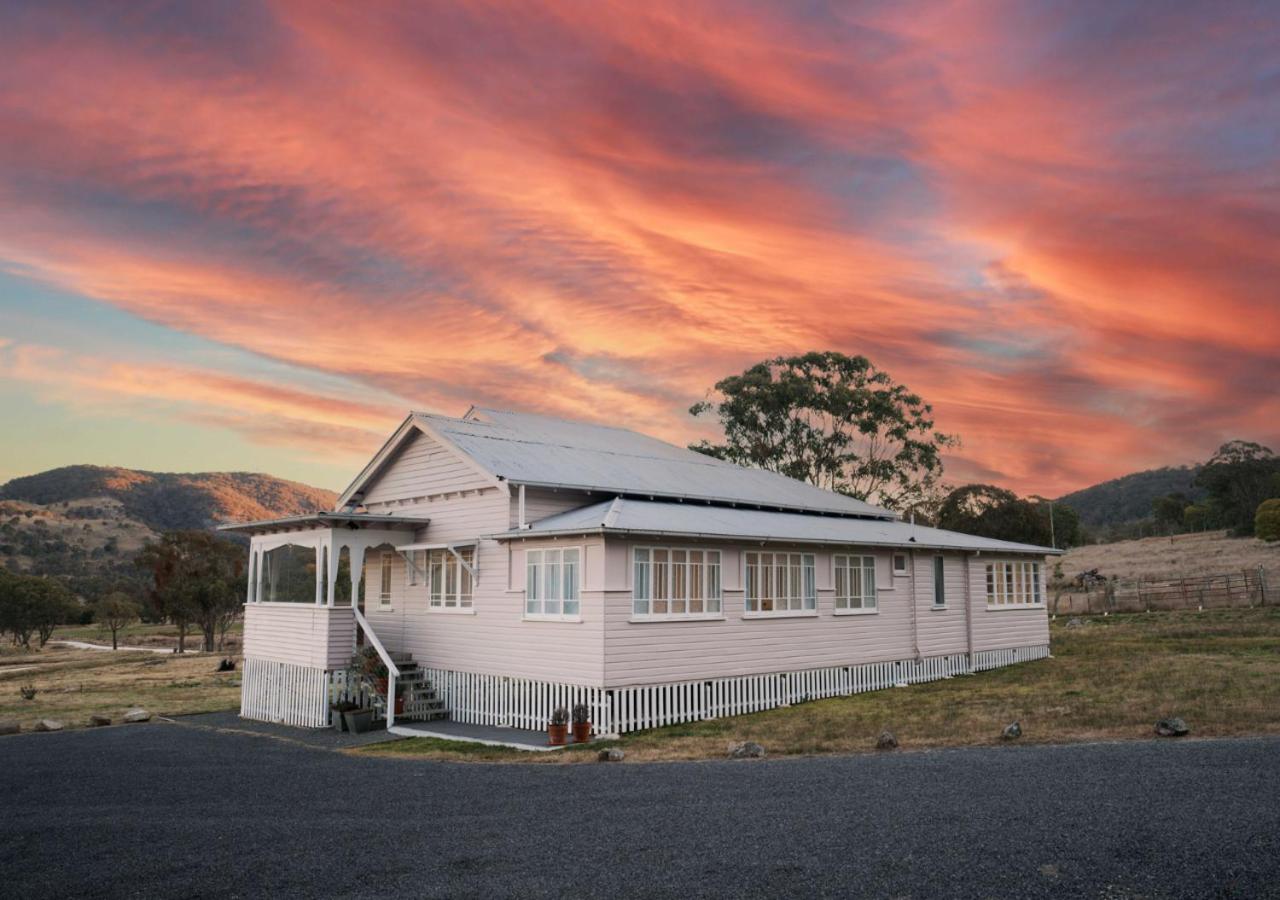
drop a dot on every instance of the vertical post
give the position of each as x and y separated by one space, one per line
253 573
391 697
1262 586
320 575
262 562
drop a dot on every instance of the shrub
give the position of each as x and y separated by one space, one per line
1266 523
581 714
560 716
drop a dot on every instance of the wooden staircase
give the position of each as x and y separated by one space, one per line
421 703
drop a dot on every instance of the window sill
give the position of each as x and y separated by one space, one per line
856 612
691 617
1004 606
936 608
571 619
382 609
451 610
788 614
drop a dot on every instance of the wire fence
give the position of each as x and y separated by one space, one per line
1224 590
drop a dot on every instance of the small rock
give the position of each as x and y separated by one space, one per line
49 725
886 741
10 727
137 714
1011 732
746 750
97 721
1076 622
613 754
1172 727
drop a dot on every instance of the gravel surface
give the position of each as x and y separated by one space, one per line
162 810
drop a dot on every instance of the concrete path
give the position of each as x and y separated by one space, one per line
160 810
85 645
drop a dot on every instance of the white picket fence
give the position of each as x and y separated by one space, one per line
298 695
285 693
524 703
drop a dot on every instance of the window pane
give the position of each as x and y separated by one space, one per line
869 582
939 581
661 584
679 576
713 582
570 607
810 585
991 584
1035 583
842 582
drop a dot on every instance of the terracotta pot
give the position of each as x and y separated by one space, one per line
399 706
557 735
581 732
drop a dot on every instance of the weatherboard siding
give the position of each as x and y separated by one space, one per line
301 634
495 638
421 468
995 628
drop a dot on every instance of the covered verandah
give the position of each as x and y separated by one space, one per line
304 610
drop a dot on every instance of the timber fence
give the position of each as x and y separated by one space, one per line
1223 590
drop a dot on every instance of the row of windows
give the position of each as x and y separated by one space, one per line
672 583
1013 584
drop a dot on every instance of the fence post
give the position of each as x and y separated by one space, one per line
1262 585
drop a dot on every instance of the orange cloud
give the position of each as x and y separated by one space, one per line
600 209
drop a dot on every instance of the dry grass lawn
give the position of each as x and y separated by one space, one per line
1110 679
75 684
1183 555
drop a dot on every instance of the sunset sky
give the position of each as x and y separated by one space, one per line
252 235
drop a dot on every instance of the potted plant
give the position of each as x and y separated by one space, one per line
581 723
558 727
339 711
368 662
359 720
402 693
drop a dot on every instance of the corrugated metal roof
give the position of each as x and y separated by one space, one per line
538 450
643 517
330 519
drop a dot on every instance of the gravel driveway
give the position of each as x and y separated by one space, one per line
164 810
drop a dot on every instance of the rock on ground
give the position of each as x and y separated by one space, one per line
99 720
1172 727
10 727
746 750
49 725
137 714
1012 731
886 741
613 754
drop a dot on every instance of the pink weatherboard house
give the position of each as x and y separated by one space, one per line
500 565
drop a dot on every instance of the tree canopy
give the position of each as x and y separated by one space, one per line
32 606
994 512
1239 477
196 579
833 420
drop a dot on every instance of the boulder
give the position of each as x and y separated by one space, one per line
613 754
97 720
1076 622
1011 732
137 714
9 727
49 725
1172 727
886 741
746 750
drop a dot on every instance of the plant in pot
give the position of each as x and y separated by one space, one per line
368 662
581 723
402 694
339 711
358 720
558 727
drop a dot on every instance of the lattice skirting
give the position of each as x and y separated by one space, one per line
523 703
285 693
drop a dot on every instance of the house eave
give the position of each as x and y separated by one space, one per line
324 520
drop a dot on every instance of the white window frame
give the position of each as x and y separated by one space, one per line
865 567
939 567
451 588
906 565
711 585
1014 584
539 590
385 579
808 601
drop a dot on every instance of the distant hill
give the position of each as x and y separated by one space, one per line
85 522
1128 499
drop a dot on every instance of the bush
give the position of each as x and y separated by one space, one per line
1266 523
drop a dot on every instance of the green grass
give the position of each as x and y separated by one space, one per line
1111 679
